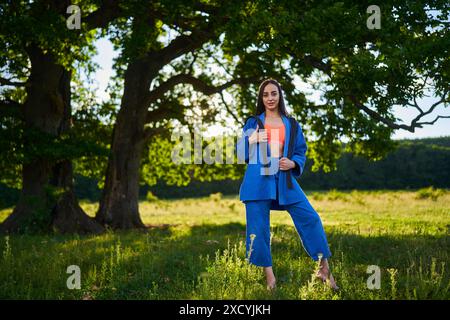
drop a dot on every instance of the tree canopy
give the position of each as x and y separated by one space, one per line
182 63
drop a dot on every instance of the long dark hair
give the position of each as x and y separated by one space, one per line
260 108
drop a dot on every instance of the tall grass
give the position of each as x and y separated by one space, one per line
195 249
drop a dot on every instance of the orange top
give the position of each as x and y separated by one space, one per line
272 131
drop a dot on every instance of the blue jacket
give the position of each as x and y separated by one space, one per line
258 186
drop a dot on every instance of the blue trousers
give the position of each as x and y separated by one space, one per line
306 221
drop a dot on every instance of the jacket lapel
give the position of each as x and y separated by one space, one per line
262 116
287 131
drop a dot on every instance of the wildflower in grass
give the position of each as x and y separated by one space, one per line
7 250
320 255
393 276
252 238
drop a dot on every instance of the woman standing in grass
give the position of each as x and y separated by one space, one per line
268 183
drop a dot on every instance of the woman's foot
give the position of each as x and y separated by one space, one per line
325 275
270 279
271 286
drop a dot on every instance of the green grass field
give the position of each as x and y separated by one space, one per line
195 249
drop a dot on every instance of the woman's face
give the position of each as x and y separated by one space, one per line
271 97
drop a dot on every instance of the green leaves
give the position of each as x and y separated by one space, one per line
159 166
326 44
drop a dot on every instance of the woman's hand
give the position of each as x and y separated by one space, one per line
258 136
286 164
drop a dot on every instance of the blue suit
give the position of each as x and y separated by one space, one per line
262 191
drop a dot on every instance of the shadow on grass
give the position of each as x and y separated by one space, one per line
163 263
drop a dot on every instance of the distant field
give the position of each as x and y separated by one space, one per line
195 249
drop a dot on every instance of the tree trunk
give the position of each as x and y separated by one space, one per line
67 215
47 200
30 213
119 206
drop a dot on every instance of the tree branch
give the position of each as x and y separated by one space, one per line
229 109
107 12
391 124
312 61
157 114
432 122
326 68
422 113
7 82
186 23
187 43
181 45
197 83
148 132
169 109
10 107
318 64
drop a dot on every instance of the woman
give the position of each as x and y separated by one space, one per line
263 190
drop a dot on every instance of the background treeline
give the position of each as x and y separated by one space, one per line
415 164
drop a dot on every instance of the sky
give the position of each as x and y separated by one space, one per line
106 54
